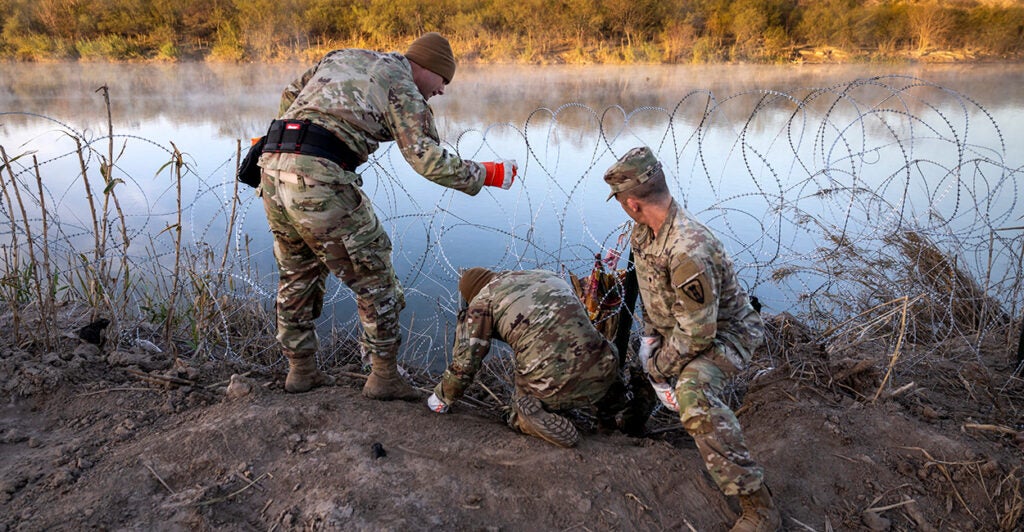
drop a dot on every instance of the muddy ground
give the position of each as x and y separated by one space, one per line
127 438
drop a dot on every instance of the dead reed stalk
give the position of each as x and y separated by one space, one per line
234 209
46 303
11 259
35 283
107 164
92 283
176 162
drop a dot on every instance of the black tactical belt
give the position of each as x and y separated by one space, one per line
307 138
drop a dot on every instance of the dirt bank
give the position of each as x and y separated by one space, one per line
115 439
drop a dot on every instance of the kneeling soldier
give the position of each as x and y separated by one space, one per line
700 328
561 361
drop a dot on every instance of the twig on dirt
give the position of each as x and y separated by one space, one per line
890 507
243 478
829 400
353 375
1013 509
476 402
967 386
946 474
812 529
914 510
638 501
225 383
678 524
277 522
896 351
852 392
232 494
757 384
160 379
265 507
859 367
160 479
488 390
664 430
901 389
97 392
989 428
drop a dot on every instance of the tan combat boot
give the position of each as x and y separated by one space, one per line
759 513
303 375
529 417
384 382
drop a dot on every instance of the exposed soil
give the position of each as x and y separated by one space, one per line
130 439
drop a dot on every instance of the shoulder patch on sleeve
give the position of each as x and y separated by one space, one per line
690 277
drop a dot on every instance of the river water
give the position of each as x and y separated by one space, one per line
781 161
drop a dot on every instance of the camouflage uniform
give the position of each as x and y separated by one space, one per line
691 299
560 358
321 219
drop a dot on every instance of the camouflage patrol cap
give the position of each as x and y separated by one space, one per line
634 168
432 52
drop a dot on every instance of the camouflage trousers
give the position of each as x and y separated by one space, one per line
325 227
586 388
713 425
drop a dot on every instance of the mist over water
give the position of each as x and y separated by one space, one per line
236 100
751 150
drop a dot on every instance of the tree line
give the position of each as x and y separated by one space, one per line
531 31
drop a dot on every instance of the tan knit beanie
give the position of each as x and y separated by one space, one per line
432 52
473 280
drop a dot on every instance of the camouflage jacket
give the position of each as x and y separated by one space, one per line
366 98
558 355
690 294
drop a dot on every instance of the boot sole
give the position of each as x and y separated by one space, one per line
549 427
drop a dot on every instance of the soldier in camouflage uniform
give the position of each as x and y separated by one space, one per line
699 326
321 219
561 361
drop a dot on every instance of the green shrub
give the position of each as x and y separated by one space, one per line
108 48
38 47
168 51
705 50
228 46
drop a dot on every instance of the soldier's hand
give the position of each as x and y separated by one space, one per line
500 173
648 345
435 404
666 394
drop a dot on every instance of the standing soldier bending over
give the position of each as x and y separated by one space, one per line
561 361
331 119
699 327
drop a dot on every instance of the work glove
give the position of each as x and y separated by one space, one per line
435 404
648 345
666 394
500 173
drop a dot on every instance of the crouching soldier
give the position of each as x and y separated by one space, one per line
700 328
561 361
